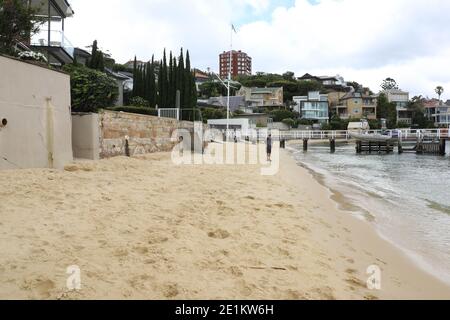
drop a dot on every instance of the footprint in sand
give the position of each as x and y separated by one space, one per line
245 289
236 271
156 239
219 234
295 295
353 281
141 250
40 287
120 253
351 271
170 290
325 293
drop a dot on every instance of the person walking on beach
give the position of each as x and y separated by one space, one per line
269 148
181 145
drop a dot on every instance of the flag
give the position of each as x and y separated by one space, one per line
233 28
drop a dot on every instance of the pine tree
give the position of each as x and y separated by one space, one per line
92 63
175 80
145 92
165 81
181 78
153 93
100 61
160 87
171 98
187 83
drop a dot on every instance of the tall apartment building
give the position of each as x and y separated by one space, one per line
241 64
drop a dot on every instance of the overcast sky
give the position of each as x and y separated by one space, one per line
362 40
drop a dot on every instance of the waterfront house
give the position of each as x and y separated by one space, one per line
313 107
262 97
357 105
51 39
236 102
330 82
130 64
81 56
401 99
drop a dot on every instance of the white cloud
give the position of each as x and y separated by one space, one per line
364 40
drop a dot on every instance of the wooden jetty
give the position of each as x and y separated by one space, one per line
420 141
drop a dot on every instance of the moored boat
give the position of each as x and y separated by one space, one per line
370 137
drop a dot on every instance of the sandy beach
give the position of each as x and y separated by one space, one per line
143 228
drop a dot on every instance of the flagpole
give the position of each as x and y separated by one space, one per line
229 80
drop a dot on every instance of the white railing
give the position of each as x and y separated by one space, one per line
57 39
173 113
345 135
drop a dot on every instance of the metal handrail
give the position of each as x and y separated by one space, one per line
344 134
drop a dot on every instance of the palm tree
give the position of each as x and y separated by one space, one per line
439 90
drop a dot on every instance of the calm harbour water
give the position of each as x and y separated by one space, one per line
406 197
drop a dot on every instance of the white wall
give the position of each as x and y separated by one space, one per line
36 103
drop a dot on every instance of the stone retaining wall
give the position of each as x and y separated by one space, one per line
146 134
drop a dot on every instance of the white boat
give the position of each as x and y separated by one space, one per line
370 137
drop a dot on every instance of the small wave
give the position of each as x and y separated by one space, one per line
438 206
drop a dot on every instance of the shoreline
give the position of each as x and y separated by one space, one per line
143 228
357 209
363 218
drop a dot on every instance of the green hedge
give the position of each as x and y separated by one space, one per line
280 115
139 110
91 89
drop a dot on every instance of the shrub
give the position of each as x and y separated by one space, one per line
402 124
32 56
374 124
139 102
211 113
305 122
91 89
280 115
289 122
133 109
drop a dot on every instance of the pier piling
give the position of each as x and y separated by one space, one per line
305 144
442 147
332 145
400 147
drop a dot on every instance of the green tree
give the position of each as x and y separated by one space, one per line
280 115
289 76
181 78
91 89
187 83
417 109
153 94
389 84
18 22
172 87
96 61
387 110
355 85
439 91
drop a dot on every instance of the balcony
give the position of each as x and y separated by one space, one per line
369 112
59 47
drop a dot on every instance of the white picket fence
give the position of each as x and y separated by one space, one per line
172 113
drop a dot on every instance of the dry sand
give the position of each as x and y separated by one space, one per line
146 229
